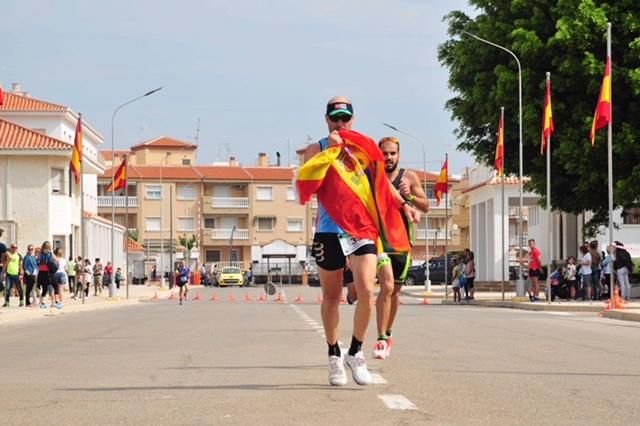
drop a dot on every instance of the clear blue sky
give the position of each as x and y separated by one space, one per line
256 73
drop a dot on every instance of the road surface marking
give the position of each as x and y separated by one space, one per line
377 379
565 314
397 402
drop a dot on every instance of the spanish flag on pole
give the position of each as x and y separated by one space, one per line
499 163
603 115
352 186
442 184
547 119
120 178
76 156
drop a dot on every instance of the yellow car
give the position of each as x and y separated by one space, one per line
231 276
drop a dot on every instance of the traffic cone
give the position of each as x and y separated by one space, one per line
280 298
197 297
155 297
215 297
319 298
248 298
425 301
299 299
262 298
231 298
172 296
343 299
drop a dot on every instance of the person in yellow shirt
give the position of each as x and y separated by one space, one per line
13 268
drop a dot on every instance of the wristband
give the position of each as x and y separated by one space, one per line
410 198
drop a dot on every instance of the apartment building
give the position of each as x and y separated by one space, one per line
39 199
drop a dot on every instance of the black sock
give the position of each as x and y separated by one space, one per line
356 346
334 350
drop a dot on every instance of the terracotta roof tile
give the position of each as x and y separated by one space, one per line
107 153
15 137
164 142
270 173
13 102
134 246
224 173
154 172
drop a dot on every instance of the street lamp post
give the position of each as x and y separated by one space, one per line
112 286
165 159
520 289
427 281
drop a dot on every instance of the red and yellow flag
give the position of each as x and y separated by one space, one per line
499 162
547 119
442 184
352 186
604 114
120 178
76 156
1 96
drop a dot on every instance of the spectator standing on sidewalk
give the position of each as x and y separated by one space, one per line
596 260
107 275
535 270
607 264
470 276
30 268
623 266
118 277
13 270
455 282
570 277
97 277
585 272
60 278
71 274
3 252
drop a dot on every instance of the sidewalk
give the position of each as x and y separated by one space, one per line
494 300
137 293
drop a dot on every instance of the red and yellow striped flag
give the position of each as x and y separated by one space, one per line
76 156
547 119
442 184
604 114
499 163
120 178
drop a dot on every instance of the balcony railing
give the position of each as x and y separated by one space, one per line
230 202
433 203
432 233
105 201
225 234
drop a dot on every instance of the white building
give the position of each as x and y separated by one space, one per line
39 199
485 201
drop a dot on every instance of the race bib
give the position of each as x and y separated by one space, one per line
350 244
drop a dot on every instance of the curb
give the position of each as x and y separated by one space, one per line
531 306
622 315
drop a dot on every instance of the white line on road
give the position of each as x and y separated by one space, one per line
564 314
377 379
397 402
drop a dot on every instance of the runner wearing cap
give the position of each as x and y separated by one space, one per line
329 248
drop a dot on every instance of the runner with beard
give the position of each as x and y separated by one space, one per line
392 268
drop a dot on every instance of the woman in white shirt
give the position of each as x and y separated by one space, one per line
585 271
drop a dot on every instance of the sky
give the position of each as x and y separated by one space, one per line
256 74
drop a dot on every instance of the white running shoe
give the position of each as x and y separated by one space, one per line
359 369
380 349
337 374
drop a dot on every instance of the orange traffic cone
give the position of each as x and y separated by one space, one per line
172 296
319 298
299 299
155 297
343 299
215 297
262 298
197 297
248 298
425 301
280 298
231 298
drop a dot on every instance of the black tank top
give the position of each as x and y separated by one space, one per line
396 181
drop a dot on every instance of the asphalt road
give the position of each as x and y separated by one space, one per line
241 363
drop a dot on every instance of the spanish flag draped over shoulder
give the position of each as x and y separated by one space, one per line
120 178
351 184
76 155
603 115
499 161
442 184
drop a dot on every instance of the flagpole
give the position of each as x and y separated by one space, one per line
501 174
446 226
126 222
549 214
610 164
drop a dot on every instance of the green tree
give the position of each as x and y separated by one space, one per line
568 39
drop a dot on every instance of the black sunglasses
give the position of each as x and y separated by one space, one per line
345 118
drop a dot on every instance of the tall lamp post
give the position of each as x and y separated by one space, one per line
520 289
112 285
165 159
427 281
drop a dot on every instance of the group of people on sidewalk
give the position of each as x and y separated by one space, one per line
587 277
46 272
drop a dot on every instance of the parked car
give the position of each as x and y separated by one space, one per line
417 274
231 276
